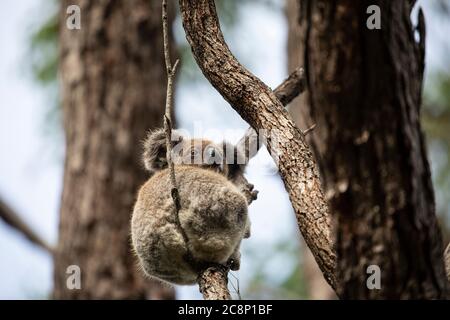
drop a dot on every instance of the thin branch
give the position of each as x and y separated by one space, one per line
259 106
169 102
12 219
310 129
213 282
293 86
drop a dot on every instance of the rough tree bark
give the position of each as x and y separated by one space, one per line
113 90
364 94
213 283
257 104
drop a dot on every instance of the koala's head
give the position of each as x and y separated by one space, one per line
223 157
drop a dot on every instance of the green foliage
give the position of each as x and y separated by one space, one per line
262 286
435 119
436 110
44 50
42 61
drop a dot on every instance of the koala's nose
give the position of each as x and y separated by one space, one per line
212 153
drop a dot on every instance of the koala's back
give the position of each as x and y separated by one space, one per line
213 216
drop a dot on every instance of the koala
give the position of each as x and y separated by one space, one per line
212 218
225 158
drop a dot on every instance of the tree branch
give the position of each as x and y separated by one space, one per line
290 88
213 283
13 220
287 91
168 114
258 105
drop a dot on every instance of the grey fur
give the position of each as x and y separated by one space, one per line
214 199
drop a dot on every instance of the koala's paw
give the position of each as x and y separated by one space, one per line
249 192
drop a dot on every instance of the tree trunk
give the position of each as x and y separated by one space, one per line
364 94
113 89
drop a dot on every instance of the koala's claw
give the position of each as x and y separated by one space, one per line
249 192
251 195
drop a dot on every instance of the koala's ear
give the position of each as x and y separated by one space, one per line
154 156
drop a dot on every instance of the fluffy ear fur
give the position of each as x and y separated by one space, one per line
154 156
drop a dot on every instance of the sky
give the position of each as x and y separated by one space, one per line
31 170
30 179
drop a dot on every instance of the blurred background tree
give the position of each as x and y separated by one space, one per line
111 79
435 117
